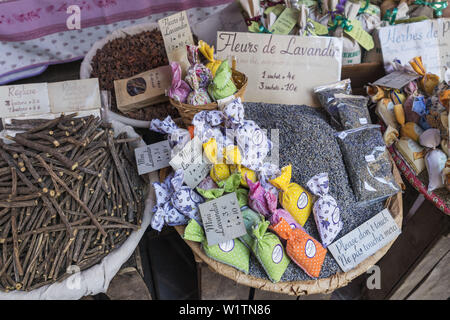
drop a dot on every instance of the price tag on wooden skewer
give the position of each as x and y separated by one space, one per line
222 219
152 157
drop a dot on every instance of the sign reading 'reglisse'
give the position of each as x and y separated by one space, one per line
20 100
282 68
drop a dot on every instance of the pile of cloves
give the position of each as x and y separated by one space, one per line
69 194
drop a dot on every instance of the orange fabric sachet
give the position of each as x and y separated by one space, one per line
303 249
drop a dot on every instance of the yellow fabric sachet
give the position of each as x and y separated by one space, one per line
208 53
219 171
428 81
409 129
293 198
232 155
233 158
251 175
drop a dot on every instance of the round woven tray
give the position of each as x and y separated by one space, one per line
324 285
188 111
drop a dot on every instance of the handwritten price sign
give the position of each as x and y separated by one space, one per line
282 68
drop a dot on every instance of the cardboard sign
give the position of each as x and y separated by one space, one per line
24 99
49 100
152 157
176 34
428 39
396 79
75 95
142 90
222 219
282 68
228 19
191 160
364 241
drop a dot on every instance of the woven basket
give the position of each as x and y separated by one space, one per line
188 111
297 288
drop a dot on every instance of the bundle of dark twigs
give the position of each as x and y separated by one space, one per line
69 194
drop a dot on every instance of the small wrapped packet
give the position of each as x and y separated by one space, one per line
412 152
207 125
233 158
251 219
198 70
267 172
385 110
369 16
293 198
303 249
179 89
390 136
175 203
277 214
397 97
201 73
231 184
198 95
222 85
257 200
233 252
208 53
376 93
252 141
245 172
270 252
219 171
428 81
326 210
177 137
409 129
207 183
435 159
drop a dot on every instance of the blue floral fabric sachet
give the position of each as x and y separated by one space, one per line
175 204
177 137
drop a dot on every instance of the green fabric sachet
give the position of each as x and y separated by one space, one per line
222 85
269 251
230 184
251 218
233 252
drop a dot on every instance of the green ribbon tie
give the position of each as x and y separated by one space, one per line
390 16
438 7
342 22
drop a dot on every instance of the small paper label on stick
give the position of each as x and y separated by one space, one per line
152 157
222 219
177 34
365 240
176 31
360 35
191 160
285 22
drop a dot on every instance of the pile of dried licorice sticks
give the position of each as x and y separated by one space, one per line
69 194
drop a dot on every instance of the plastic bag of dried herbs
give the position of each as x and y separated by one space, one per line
352 110
326 93
368 165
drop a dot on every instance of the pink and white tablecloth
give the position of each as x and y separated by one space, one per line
34 33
